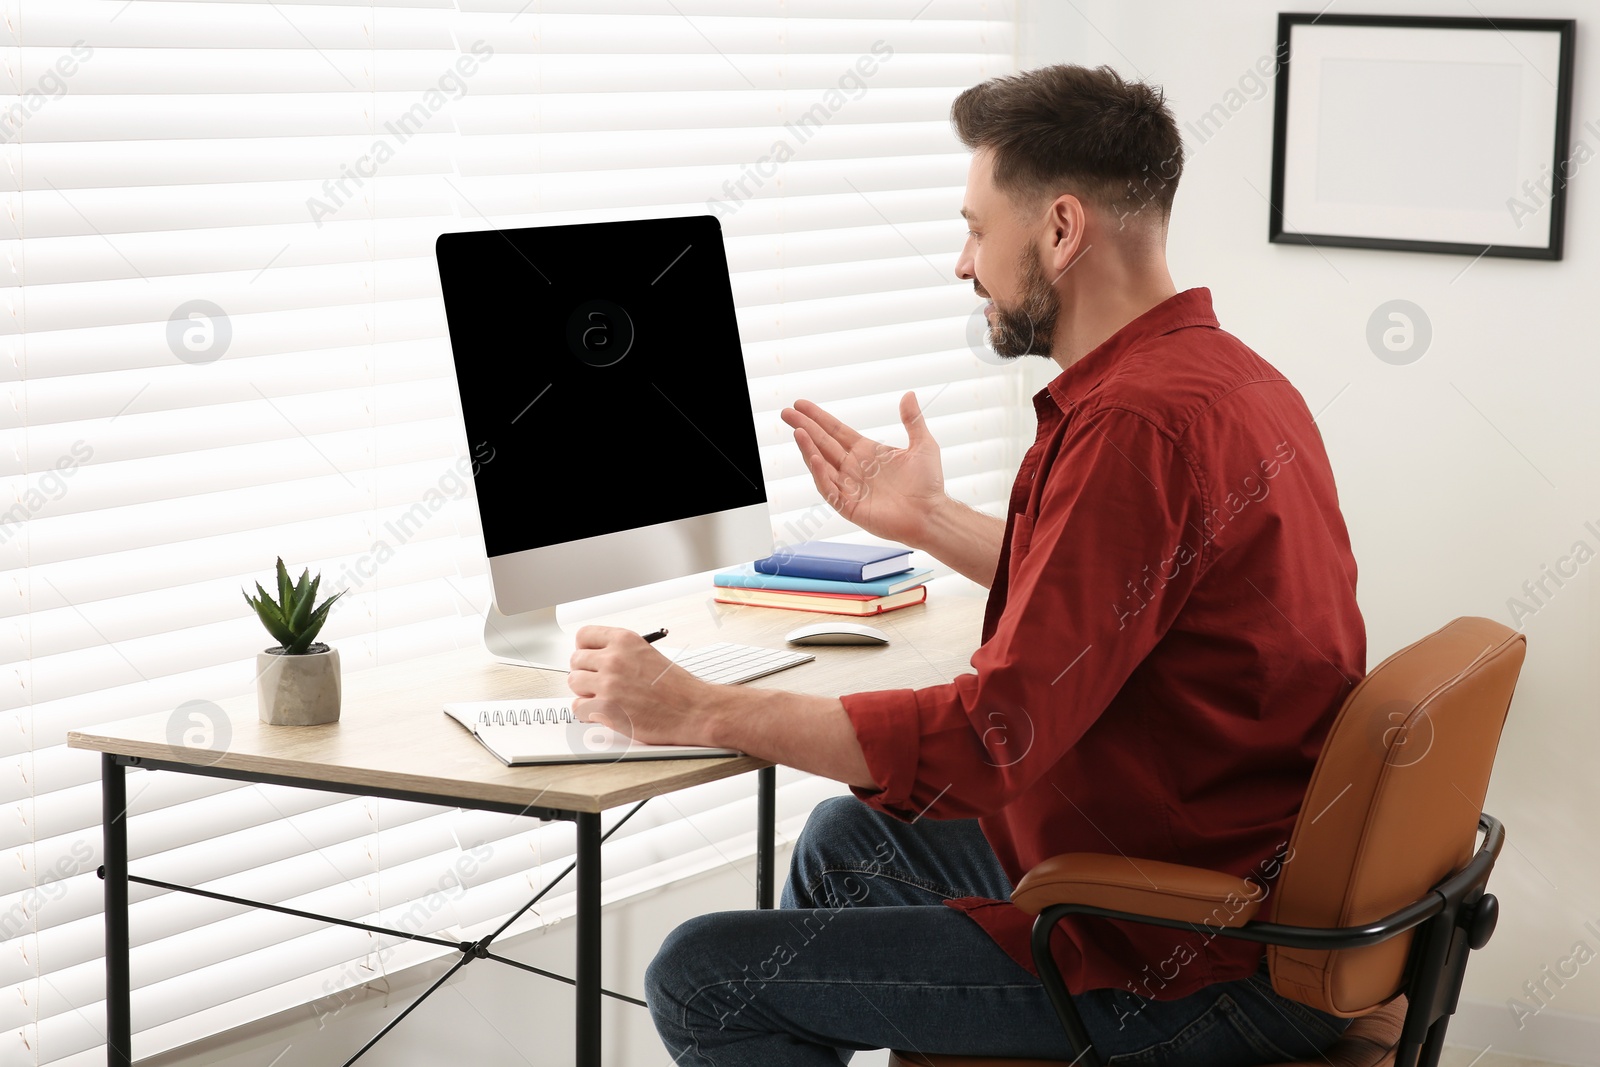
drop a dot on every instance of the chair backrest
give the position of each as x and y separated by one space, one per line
1393 806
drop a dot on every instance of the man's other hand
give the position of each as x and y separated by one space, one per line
888 492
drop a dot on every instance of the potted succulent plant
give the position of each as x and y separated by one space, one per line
297 681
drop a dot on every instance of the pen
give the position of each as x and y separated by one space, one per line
653 638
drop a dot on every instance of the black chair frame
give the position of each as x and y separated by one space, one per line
1455 917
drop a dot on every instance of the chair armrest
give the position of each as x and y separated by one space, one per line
1146 887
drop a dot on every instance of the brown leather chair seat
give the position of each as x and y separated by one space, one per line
1368 1041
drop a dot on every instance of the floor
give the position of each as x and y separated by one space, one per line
1466 1057
1453 1057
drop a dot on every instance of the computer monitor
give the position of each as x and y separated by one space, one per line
604 394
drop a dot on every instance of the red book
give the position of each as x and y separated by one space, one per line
827 603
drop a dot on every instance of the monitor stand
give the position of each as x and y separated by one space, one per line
528 639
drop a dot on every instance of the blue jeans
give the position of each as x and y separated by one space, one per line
862 955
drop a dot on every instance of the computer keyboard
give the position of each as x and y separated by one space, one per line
730 664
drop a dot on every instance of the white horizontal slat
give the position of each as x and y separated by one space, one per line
54 259
901 267
430 148
66 790
825 386
209 611
188 571
62 17
262 441
146 346
668 109
240 293
267 819
124 696
503 196
70 405
349 28
290 847
163 655
204 232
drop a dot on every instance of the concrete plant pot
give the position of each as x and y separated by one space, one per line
301 690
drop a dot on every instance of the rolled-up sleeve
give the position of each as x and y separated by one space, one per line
887 726
1095 576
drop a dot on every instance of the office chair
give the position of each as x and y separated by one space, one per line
1381 898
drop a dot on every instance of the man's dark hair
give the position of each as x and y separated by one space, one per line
1071 129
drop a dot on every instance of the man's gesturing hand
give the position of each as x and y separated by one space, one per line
889 492
624 683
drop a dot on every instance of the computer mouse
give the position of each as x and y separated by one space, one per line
837 633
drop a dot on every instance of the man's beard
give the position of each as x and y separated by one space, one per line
1027 330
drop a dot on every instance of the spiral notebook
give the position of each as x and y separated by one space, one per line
522 732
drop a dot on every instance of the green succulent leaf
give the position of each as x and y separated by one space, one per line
266 606
300 588
302 607
270 617
294 619
313 626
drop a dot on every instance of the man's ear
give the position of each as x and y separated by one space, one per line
1064 234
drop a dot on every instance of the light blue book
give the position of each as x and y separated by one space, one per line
747 577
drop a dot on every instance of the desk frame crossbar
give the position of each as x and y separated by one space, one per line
114 872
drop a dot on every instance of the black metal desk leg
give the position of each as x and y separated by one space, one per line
588 976
766 832
113 820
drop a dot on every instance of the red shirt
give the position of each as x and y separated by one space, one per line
1170 632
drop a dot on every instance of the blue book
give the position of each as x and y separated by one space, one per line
836 561
747 577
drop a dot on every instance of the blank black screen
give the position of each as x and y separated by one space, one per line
593 433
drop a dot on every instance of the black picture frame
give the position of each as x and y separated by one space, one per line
1485 243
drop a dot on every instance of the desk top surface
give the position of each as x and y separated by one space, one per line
393 735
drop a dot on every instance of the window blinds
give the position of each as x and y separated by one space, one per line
223 342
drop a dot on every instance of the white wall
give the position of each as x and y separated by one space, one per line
1460 474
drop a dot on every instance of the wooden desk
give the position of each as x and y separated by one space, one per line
393 740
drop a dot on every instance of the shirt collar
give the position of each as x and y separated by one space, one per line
1192 307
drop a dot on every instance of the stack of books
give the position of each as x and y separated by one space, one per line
829 577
